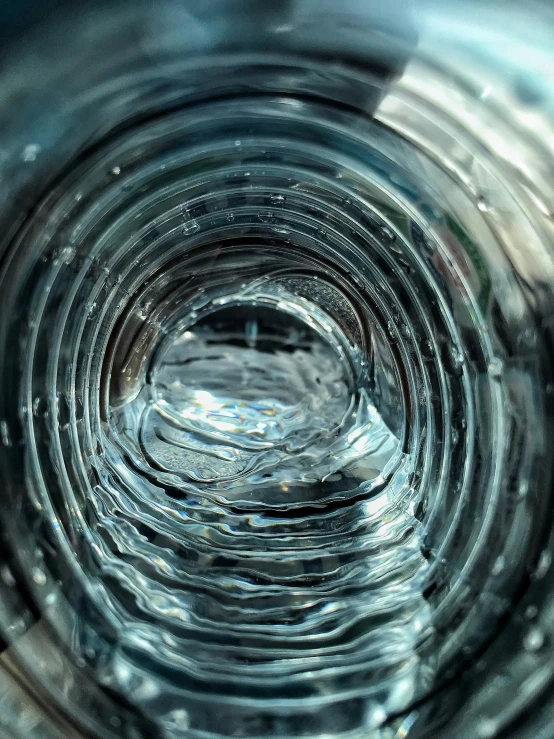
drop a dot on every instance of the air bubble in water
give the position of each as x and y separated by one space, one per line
453 359
190 228
531 612
191 225
267 217
543 565
5 433
496 368
30 152
487 728
7 577
67 255
533 640
482 204
38 576
499 565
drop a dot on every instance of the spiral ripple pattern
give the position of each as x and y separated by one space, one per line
271 412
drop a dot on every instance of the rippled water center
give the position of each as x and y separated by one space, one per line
255 412
252 398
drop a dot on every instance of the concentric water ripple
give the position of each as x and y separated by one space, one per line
274 398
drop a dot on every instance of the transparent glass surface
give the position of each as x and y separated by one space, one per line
276 288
